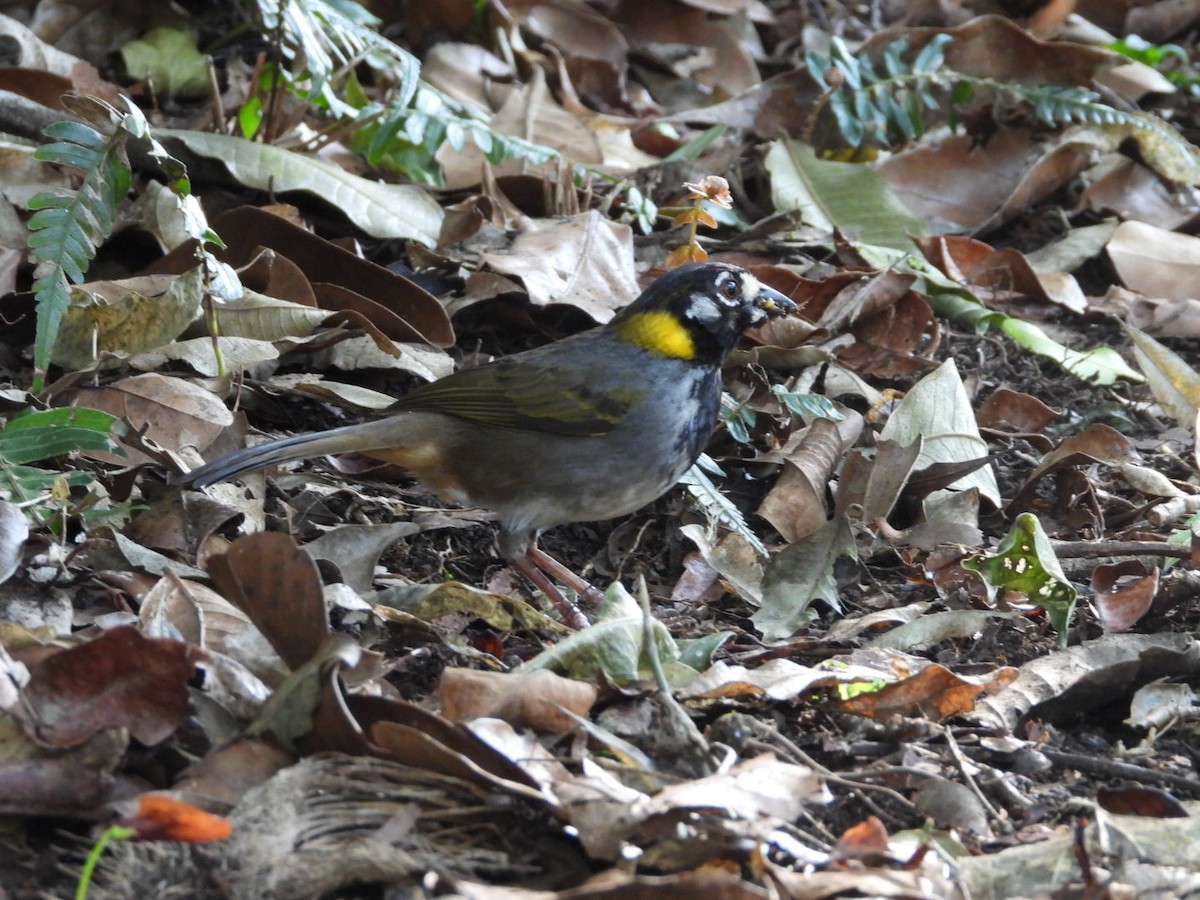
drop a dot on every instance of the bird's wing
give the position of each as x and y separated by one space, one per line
534 391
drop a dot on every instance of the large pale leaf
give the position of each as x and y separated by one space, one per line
1156 262
846 196
938 410
381 210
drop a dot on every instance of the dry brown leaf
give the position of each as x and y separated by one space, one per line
175 414
525 700
728 68
1135 192
796 503
1123 593
1162 318
117 679
415 314
219 781
1014 412
76 782
934 692
941 182
277 585
1156 262
585 261
1096 443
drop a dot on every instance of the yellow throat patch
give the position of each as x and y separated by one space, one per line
659 332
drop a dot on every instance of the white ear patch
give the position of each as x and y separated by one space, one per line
703 309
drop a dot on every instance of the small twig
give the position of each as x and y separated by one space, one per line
1121 770
1098 549
772 740
214 95
961 762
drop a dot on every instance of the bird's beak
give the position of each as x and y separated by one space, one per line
774 303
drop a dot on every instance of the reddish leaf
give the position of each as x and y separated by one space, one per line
119 679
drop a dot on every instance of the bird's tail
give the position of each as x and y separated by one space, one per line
362 438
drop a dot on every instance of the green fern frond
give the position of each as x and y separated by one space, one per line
66 228
716 507
883 110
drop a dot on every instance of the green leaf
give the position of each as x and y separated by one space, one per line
847 196
66 228
697 145
1100 365
75 133
718 508
809 406
170 60
1026 563
932 55
698 652
612 647
41 435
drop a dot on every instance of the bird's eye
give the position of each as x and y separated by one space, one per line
729 289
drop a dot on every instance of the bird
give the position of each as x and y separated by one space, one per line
590 427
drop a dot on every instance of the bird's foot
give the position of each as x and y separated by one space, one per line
571 615
590 594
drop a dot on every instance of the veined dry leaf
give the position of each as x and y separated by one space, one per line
938 410
1175 384
175 413
585 261
795 505
1156 262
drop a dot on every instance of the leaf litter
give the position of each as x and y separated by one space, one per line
974 577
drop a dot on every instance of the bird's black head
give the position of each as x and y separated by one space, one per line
697 312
